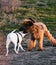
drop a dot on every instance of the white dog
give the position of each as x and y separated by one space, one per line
16 39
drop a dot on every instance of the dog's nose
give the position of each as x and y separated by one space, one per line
21 29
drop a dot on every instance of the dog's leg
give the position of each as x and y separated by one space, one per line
21 47
40 42
31 44
7 46
7 50
18 48
34 43
15 48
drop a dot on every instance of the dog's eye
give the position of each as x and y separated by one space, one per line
29 24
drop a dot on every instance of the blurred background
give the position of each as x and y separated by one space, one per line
12 12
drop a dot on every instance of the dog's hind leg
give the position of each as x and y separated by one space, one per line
7 46
15 48
40 42
18 48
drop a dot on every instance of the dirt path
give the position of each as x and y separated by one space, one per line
34 57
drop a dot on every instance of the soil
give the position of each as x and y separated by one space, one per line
34 57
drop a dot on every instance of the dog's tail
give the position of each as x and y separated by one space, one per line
50 37
13 31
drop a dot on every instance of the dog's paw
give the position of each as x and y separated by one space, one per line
16 52
6 55
40 49
24 50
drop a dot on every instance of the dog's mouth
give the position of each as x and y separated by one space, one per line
24 31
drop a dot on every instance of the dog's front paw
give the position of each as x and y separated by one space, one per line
23 50
16 52
40 49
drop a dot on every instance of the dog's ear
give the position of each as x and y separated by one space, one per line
31 20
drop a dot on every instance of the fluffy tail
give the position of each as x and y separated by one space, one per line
13 31
50 37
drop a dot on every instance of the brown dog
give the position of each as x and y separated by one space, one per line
37 30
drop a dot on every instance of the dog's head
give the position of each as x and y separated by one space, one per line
26 24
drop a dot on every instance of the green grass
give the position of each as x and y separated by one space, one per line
46 14
8 27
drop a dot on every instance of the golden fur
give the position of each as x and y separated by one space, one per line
37 30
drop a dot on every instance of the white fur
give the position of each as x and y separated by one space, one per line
12 37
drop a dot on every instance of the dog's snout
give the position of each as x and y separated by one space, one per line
21 29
